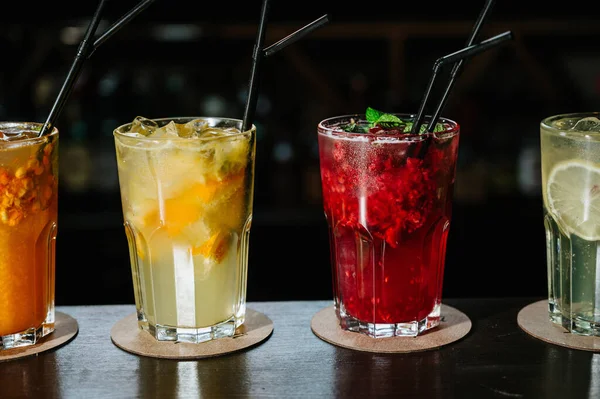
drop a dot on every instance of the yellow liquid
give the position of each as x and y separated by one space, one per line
187 208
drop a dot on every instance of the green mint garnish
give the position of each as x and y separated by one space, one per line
349 127
438 128
373 115
386 121
352 127
378 118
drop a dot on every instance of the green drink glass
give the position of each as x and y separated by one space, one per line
570 154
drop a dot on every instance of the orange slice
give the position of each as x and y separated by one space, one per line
215 247
185 209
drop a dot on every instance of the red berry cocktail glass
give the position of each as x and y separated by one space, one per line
387 196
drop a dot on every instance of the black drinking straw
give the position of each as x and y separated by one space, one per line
457 66
297 35
259 53
82 53
451 58
120 23
257 56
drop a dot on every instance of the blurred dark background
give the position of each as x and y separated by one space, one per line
181 58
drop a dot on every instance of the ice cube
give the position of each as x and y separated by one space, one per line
212 132
171 129
143 126
232 130
14 136
219 132
167 131
193 128
589 124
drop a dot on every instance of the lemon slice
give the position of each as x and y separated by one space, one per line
573 192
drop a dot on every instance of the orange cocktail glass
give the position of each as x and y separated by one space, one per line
28 222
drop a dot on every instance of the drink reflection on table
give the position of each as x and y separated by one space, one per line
219 377
570 373
420 374
31 377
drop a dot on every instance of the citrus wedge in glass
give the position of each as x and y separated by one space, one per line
573 193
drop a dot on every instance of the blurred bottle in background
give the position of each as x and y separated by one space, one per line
75 159
105 180
309 145
529 167
284 185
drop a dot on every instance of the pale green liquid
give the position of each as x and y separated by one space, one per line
573 286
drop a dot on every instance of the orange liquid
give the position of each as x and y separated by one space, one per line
26 273
28 214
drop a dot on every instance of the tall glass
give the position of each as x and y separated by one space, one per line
570 153
187 206
28 223
387 200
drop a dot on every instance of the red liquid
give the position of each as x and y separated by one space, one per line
388 206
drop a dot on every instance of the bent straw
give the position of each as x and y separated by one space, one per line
457 67
254 73
120 23
454 57
297 35
260 53
75 70
73 73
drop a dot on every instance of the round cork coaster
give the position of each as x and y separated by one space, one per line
127 335
534 320
65 329
454 326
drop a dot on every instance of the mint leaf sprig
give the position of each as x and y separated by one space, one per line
386 121
379 120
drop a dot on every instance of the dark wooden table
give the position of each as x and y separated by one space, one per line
496 360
